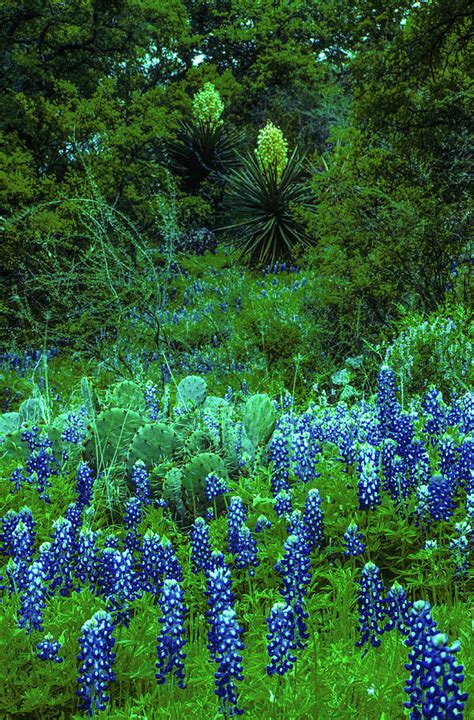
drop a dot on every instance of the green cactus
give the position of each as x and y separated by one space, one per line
173 494
191 392
110 436
32 411
127 394
14 449
9 423
199 441
152 443
195 473
213 404
259 418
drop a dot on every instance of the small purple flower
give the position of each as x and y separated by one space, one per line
48 649
200 545
171 641
372 606
369 481
353 540
263 523
141 481
96 661
214 486
281 639
228 646
434 684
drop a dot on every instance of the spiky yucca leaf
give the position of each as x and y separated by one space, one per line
260 206
202 150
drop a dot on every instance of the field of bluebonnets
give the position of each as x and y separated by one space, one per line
180 544
236 407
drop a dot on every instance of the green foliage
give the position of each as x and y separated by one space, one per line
261 205
259 418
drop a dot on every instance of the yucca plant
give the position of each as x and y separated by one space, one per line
205 147
260 198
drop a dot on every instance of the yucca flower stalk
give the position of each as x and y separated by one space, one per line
205 146
260 199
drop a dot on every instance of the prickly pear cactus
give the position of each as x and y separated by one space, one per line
259 418
236 444
213 404
195 473
9 422
152 443
110 437
89 398
14 449
127 394
173 494
199 441
32 411
191 392
184 426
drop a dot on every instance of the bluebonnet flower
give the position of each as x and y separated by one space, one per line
282 504
313 519
76 429
295 569
369 481
228 646
32 600
133 513
246 550
200 545
263 523
353 540
431 545
279 457
141 482
219 594
229 394
388 406
306 451
391 467
84 485
281 639
236 517
435 422
74 515
461 547
48 648
448 458
151 400
398 609
214 486
171 640
96 662
157 558
61 556
435 678
372 606
118 581
87 566
294 522
10 521
41 464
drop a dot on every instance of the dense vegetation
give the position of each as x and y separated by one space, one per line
236 405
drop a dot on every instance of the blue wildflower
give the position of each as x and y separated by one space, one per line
48 648
171 640
369 481
214 487
281 639
228 646
353 540
263 523
372 606
96 662
435 678
398 609
200 545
